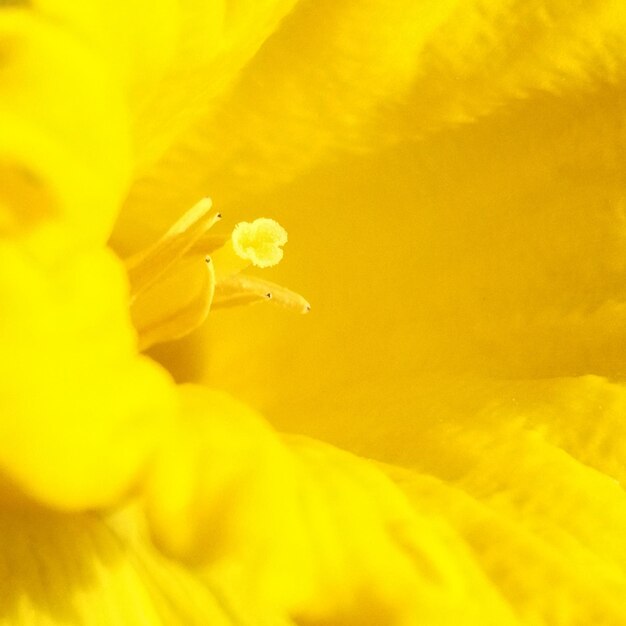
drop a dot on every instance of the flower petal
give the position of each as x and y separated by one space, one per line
174 58
57 162
513 466
215 40
365 537
77 570
489 251
304 529
218 470
355 75
137 37
524 561
80 411
299 85
495 249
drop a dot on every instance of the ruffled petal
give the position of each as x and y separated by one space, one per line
356 75
305 530
529 473
500 511
379 562
547 575
83 571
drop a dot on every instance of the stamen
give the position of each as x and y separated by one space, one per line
241 289
145 267
176 304
176 281
209 243
171 289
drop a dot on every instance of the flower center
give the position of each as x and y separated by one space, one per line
190 271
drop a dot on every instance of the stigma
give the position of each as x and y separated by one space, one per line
259 242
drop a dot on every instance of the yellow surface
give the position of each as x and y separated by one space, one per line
441 441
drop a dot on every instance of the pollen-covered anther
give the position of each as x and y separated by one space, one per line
259 242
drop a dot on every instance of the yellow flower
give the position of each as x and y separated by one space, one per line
450 175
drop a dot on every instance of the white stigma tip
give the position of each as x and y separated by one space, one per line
259 242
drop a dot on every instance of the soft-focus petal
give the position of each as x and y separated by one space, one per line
174 58
136 37
80 411
216 428
216 39
57 162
